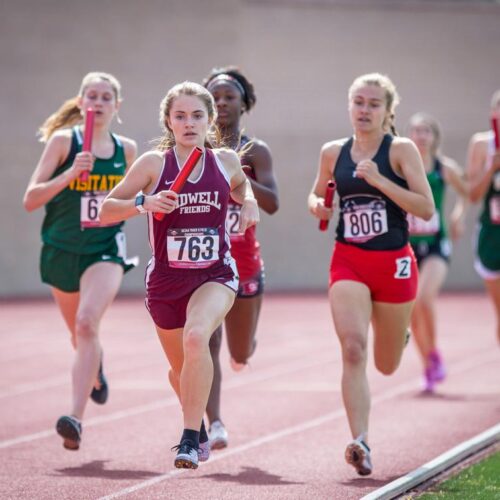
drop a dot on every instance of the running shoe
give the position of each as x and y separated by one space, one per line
70 429
204 451
217 435
187 455
428 382
357 454
435 371
438 369
100 396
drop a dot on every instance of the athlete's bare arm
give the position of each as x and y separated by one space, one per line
327 159
264 186
41 188
478 175
143 175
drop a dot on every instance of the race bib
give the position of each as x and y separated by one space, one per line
192 248
403 268
89 210
233 222
495 209
364 222
421 227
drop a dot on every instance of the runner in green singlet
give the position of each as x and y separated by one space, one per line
483 171
82 260
429 240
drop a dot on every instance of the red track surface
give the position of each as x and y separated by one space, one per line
287 426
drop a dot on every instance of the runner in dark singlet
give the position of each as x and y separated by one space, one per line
191 280
373 273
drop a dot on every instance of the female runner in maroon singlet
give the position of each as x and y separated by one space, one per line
234 95
191 280
373 275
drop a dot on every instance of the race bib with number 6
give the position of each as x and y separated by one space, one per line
89 209
495 209
192 248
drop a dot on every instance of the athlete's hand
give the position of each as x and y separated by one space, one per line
320 211
164 202
249 215
368 170
83 162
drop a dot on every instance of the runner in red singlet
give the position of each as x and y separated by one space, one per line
234 95
191 280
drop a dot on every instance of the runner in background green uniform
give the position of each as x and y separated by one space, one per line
483 171
81 260
430 242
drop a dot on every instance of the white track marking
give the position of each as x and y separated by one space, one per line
308 424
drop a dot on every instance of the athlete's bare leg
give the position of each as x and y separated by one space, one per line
99 285
241 325
493 288
390 323
213 405
351 307
205 312
432 274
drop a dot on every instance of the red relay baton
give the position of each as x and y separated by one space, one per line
87 137
496 131
330 191
183 175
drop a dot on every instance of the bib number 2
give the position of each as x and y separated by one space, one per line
233 222
403 268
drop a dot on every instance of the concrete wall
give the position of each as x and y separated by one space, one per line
301 55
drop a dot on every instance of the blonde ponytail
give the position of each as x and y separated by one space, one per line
67 115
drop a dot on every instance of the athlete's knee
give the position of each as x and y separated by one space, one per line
354 349
424 302
387 366
85 326
195 342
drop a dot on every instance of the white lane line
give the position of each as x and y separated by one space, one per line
40 385
48 383
436 466
309 424
240 381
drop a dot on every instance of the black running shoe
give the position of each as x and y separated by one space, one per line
70 429
187 455
100 396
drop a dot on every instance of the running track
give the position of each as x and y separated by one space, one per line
284 413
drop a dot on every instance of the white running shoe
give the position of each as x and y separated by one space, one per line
187 455
357 454
204 451
217 435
